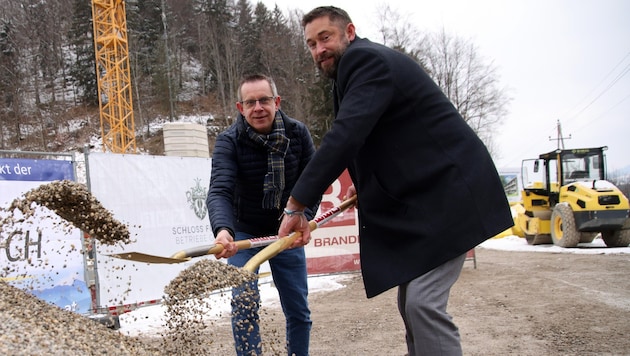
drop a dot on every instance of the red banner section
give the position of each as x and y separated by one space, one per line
333 264
334 247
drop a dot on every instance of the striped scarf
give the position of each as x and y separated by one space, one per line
277 145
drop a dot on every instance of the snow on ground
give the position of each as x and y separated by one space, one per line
149 321
515 243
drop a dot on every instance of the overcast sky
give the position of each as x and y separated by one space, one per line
566 60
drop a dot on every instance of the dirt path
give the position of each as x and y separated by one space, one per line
513 303
519 303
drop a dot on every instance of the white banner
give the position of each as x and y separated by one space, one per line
162 200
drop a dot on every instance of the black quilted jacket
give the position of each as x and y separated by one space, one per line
236 183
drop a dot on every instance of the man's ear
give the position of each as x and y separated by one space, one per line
350 32
239 107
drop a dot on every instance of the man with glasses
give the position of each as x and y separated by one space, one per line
255 164
426 185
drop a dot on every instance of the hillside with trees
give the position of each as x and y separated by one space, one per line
186 58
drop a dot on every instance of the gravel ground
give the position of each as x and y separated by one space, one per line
513 303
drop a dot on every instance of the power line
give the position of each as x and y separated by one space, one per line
603 114
614 81
621 75
538 142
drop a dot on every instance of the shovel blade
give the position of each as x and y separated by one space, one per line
146 258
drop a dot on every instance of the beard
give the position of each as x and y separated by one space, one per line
331 70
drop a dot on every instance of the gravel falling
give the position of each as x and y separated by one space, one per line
75 204
31 326
187 303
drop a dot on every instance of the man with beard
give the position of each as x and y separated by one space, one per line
427 188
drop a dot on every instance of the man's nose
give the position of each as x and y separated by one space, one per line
320 49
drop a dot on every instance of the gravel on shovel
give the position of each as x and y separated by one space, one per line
187 303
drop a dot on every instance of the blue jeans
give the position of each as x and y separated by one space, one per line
288 269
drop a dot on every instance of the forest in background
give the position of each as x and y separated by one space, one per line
187 57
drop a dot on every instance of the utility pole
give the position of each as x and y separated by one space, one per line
559 137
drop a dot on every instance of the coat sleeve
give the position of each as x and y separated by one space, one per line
220 198
308 152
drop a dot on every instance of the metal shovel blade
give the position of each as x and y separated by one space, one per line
198 251
146 258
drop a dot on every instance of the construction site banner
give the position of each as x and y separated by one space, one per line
335 246
42 254
162 200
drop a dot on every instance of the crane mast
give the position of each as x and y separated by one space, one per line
113 76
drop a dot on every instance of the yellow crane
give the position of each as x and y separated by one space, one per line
115 101
113 76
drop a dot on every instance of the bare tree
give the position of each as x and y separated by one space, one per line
298 70
396 31
471 85
9 80
218 41
454 63
17 59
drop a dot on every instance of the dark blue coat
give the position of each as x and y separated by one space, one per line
428 189
238 170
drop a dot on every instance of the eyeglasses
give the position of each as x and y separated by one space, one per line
264 101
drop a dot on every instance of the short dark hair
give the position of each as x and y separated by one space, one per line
334 14
255 78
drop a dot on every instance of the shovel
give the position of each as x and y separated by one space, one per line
285 242
186 255
268 252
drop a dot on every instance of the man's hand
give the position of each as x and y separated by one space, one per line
352 191
229 247
295 221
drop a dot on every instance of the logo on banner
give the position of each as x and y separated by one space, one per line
197 199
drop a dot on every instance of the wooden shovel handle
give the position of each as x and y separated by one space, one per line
217 248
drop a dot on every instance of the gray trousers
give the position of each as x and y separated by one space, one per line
430 330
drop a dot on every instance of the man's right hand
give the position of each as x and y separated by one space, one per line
227 241
295 223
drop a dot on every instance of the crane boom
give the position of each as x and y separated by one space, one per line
113 76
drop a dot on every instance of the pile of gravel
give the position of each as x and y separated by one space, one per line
31 326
